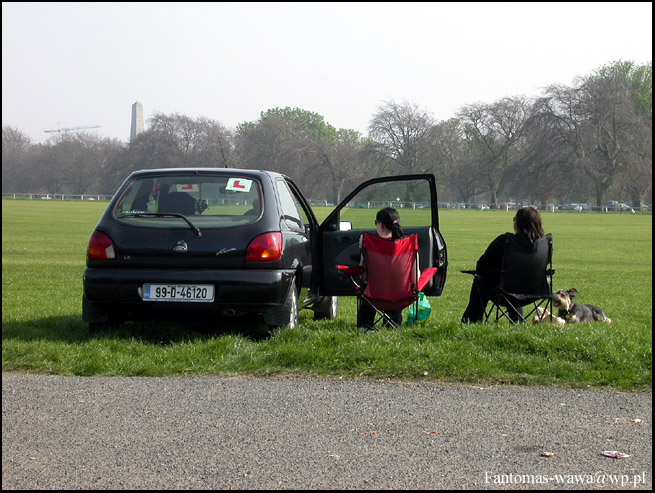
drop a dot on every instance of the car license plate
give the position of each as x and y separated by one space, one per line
199 293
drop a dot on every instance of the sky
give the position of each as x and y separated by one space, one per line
74 64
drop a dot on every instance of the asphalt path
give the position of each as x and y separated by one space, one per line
221 432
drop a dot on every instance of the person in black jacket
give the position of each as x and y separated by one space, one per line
527 229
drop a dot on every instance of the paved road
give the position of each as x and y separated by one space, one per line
310 433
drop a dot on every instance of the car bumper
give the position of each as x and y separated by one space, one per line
117 293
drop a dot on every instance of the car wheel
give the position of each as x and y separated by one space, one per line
327 308
287 316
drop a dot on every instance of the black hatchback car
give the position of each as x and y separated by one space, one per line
204 243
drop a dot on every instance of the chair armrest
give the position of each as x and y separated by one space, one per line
426 275
351 271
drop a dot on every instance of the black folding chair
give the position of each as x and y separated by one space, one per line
526 279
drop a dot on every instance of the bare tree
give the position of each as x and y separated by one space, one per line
74 162
492 135
180 141
542 169
401 134
452 166
15 153
605 123
639 175
275 143
349 164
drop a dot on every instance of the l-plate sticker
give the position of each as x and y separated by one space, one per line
238 185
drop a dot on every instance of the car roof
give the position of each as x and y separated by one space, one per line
217 171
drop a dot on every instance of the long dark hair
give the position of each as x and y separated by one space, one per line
390 218
528 223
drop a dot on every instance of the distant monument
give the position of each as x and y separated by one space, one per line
137 120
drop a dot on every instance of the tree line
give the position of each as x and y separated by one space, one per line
588 142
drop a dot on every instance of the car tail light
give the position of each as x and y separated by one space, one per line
265 248
100 246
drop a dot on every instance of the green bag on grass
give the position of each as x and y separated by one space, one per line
424 310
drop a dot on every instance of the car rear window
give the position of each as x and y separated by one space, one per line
207 201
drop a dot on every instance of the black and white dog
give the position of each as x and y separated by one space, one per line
569 312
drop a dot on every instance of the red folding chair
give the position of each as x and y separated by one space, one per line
392 276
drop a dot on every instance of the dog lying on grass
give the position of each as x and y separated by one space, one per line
569 312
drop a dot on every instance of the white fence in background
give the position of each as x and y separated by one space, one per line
615 207
56 196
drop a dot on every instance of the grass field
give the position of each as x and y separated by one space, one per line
607 257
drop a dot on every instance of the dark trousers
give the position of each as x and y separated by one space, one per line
366 316
480 295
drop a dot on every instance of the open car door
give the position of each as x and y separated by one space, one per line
415 199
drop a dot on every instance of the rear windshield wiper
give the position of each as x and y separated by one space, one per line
193 227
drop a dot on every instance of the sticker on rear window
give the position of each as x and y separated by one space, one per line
187 188
238 185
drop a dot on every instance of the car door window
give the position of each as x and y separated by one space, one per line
291 211
415 199
410 198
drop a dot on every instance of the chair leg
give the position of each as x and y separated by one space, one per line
505 310
415 304
495 310
546 303
518 311
487 312
378 316
383 317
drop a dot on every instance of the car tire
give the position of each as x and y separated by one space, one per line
287 316
327 308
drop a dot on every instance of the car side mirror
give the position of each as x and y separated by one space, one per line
345 226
